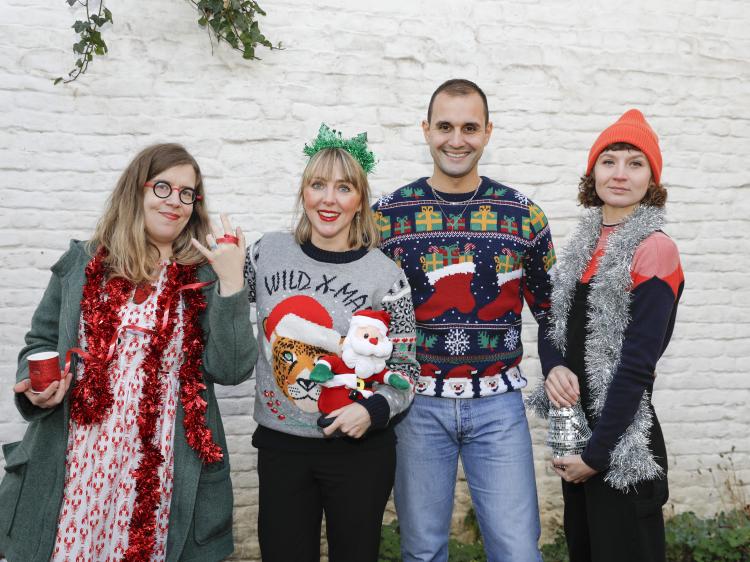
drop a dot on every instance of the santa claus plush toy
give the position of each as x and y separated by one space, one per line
350 378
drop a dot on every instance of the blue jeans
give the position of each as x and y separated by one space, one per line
491 435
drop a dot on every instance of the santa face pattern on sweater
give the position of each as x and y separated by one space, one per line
471 262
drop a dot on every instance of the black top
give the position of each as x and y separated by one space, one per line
327 256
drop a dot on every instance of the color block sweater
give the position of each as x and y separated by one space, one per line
305 298
658 281
471 260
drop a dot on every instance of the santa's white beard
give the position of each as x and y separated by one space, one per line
365 358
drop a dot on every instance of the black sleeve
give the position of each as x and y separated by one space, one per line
651 317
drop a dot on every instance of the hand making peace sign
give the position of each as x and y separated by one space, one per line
226 254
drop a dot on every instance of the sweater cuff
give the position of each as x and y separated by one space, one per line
232 307
549 355
379 410
546 369
28 411
600 463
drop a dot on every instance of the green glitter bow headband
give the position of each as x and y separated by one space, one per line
356 146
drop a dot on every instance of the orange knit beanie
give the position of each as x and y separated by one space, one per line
631 128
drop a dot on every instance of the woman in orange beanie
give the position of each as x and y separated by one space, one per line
613 309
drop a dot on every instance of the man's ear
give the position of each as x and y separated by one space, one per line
488 132
425 129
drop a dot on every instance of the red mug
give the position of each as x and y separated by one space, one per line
44 369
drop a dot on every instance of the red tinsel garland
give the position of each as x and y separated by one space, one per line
91 398
197 433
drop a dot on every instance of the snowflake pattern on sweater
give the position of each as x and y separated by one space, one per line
471 261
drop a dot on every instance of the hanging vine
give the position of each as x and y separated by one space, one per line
233 21
91 42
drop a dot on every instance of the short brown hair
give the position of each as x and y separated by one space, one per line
656 194
459 87
122 230
363 232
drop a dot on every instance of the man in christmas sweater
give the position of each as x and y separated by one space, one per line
473 251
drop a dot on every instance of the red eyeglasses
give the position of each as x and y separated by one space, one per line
163 189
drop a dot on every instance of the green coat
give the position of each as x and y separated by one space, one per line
200 519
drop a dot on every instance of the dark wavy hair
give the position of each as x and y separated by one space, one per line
656 194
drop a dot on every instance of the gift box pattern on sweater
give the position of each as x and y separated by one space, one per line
471 263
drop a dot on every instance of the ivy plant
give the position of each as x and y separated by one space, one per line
91 42
233 21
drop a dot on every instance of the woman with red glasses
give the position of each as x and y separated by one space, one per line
125 457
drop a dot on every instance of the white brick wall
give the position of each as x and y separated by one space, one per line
556 72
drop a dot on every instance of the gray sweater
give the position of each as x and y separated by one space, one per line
305 299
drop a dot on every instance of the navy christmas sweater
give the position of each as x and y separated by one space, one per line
471 260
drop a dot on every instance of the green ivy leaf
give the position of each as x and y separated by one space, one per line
216 24
90 41
233 21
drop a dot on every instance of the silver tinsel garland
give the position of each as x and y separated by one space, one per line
631 460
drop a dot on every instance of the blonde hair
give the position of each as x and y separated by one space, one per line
363 232
122 231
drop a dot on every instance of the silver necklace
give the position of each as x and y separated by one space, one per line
439 199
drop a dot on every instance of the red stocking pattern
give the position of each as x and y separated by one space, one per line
451 291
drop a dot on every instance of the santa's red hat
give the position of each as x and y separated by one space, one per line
368 317
303 319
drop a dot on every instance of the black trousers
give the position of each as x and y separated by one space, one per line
605 525
351 487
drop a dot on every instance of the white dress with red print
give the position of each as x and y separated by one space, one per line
101 459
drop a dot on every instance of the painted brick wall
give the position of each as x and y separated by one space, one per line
556 72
